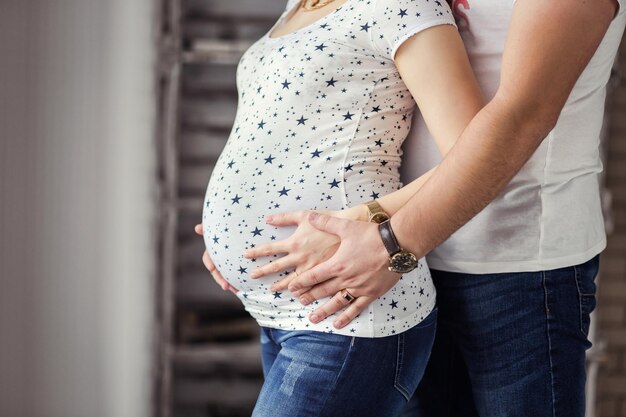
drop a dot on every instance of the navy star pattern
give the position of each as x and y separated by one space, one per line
322 116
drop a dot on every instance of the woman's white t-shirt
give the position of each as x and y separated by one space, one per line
322 115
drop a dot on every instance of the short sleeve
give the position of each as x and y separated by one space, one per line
291 4
395 21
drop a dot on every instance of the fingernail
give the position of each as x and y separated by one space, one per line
304 300
338 324
313 216
314 318
269 219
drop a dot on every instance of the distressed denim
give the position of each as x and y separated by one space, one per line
319 374
509 345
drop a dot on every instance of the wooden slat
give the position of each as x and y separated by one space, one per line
198 288
239 9
208 76
194 326
213 378
223 27
198 146
218 112
232 397
193 180
233 358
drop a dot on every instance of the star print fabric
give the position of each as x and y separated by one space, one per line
321 118
395 21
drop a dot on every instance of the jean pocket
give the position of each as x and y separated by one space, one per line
585 284
414 348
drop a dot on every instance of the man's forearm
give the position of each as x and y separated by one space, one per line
542 62
493 148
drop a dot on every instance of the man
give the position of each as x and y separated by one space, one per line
515 281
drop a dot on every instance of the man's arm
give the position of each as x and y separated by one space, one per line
548 47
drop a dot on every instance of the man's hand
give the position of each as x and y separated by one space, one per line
360 265
208 263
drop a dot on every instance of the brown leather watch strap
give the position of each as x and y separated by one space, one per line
389 238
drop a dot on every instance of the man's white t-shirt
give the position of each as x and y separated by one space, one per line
549 216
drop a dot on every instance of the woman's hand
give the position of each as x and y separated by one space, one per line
208 263
304 249
359 265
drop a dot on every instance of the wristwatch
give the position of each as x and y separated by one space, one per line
400 260
376 212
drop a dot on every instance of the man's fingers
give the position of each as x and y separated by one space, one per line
351 312
285 219
335 304
276 266
268 249
328 224
323 290
312 277
198 229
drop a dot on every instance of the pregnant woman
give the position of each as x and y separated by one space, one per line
325 102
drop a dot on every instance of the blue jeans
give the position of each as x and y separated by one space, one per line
319 374
509 345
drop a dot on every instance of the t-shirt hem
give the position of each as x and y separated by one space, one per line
416 318
533 265
374 331
417 29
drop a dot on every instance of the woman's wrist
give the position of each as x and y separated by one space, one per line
356 213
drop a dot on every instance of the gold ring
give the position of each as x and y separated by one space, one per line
345 294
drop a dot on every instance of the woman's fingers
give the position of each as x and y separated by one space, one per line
268 249
282 285
286 219
276 266
208 263
352 311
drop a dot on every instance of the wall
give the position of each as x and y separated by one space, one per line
612 287
76 207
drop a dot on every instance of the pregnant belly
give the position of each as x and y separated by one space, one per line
234 212
227 238
251 181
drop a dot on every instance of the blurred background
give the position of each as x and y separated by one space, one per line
112 115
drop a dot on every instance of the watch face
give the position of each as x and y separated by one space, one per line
379 218
403 262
